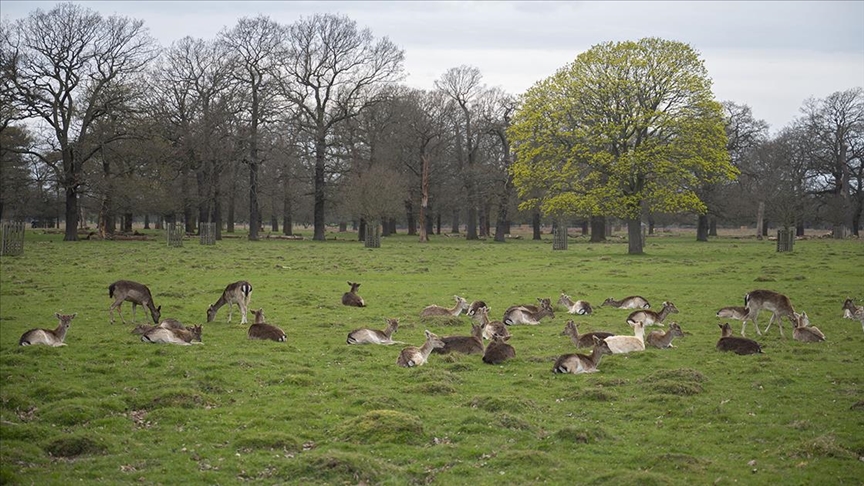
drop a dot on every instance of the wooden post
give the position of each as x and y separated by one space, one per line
13 239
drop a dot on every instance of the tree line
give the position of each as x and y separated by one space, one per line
307 123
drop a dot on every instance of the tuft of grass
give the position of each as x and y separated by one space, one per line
75 445
380 426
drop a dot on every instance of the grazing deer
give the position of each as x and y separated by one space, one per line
579 307
632 302
166 324
737 345
628 344
583 340
649 317
490 328
138 294
414 356
185 337
498 351
261 330
804 332
739 313
852 311
239 293
477 304
47 336
351 299
374 336
663 340
472 344
436 310
778 304
579 363
529 314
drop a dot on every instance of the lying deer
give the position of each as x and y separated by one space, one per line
47 336
737 345
632 302
169 323
579 363
852 311
239 293
529 314
261 330
583 340
185 336
374 336
628 344
804 332
436 310
490 328
739 313
579 307
649 317
414 356
477 304
472 344
127 290
498 351
778 304
663 340
351 298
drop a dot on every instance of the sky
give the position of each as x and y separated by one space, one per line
769 55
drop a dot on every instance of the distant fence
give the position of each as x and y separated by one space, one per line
559 237
785 239
208 233
175 235
13 239
373 235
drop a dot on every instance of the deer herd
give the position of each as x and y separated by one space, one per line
488 338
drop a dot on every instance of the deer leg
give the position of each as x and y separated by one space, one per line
243 308
743 325
114 305
230 311
770 321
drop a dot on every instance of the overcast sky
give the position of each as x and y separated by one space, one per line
769 55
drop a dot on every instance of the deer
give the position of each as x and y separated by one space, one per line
628 344
580 363
498 351
804 332
477 304
436 310
351 299
650 317
737 345
374 336
263 331
490 328
169 323
852 311
579 307
49 337
528 314
739 313
585 340
239 293
632 302
663 340
472 344
416 356
778 304
127 290
184 337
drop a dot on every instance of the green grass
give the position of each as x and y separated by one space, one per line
110 409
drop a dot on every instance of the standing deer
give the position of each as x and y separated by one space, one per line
778 304
740 313
414 356
351 299
579 363
804 332
628 344
852 311
580 307
472 344
185 337
490 328
498 351
261 330
583 340
47 336
662 340
649 317
127 290
374 336
239 293
436 310
529 314
737 345
632 302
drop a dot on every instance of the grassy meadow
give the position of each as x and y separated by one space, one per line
110 409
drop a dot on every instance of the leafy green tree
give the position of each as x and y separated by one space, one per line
626 127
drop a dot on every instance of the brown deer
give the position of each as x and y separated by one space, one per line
529 314
437 310
804 332
852 311
351 299
737 345
632 302
580 307
185 337
498 351
739 313
472 344
778 304
477 304
579 363
374 336
583 340
239 293
663 340
490 328
649 317
261 330
628 344
47 336
127 290
166 323
417 356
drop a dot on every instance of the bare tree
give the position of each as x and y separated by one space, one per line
497 109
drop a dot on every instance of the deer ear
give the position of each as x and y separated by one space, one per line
57 315
73 315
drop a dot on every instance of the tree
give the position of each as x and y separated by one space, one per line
65 63
626 127
744 134
332 71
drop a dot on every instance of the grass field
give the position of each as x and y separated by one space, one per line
110 409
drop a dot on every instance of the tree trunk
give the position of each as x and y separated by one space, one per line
455 226
760 216
254 212
799 228
146 221
287 223
598 229
765 228
361 232
634 236
650 223
438 224
585 227
425 228
701 228
71 233
535 224
409 216
127 222
712 226
318 212
483 218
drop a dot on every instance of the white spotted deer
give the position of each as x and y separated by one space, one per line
351 299
263 331
529 314
852 311
169 323
632 302
239 293
184 337
490 328
375 336
628 344
49 337
127 290
579 307
650 317
437 310
417 356
778 304
739 313
663 340
804 332
580 363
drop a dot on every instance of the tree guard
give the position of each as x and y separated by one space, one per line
559 240
175 235
785 239
373 235
208 233
13 239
